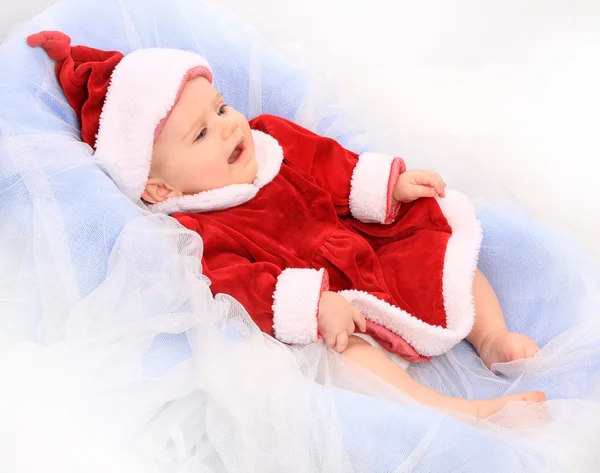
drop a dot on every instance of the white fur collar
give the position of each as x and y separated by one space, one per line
269 156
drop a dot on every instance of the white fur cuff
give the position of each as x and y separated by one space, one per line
369 187
296 304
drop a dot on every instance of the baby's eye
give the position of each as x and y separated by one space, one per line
201 135
222 109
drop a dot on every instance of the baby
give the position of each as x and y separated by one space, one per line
314 240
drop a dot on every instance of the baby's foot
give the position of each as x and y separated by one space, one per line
502 346
486 407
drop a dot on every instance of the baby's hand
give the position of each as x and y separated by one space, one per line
414 184
338 320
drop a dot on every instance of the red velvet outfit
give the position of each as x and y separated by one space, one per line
319 217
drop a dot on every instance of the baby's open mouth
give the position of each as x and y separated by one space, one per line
236 153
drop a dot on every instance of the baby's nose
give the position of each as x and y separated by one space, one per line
228 130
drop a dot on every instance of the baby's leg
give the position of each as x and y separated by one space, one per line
490 335
379 364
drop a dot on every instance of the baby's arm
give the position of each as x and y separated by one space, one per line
282 302
359 185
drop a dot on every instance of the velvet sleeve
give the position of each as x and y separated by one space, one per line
359 185
284 303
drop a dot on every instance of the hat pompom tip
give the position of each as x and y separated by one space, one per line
56 44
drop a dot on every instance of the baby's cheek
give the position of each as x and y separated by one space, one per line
216 176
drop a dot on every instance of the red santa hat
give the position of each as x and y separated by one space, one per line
121 101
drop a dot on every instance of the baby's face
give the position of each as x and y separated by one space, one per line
204 145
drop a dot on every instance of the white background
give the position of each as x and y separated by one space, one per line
15 12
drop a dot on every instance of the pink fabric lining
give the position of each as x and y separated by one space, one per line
324 287
398 167
198 71
394 343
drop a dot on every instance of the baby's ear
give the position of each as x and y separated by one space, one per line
157 191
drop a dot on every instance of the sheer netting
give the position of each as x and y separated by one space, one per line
115 357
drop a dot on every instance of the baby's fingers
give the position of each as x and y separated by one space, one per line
442 187
329 340
350 328
422 190
341 342
360 321
433 179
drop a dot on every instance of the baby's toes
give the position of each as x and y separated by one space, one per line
531 350
534 396
516 352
